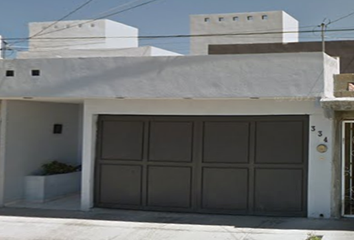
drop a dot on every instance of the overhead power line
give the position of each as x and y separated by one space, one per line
103 17
324 26
60 19
115 8
341 18
64 17
167 42
148 42
188 35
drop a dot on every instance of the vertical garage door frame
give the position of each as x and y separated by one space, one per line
197 164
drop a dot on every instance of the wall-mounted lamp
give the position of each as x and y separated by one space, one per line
322 148
57 128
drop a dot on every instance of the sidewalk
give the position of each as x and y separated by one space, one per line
135 225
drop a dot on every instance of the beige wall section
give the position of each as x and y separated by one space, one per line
30 141
341 85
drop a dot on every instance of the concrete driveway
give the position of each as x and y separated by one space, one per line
135 225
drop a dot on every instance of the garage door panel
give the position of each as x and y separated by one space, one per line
234 165
120 184
169 187
225 189
122 140
279 190
226 142
279 142
171 141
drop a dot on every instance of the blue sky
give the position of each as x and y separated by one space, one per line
172 16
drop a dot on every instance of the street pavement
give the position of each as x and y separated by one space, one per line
103 224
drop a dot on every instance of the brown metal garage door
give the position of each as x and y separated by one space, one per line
232 165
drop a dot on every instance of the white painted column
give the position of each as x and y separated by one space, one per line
3 117
88 159
320 167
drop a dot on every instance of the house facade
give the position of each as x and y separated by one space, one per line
153 130
339 105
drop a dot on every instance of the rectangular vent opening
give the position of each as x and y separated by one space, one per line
36 72
10 73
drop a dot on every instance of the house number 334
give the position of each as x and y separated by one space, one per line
319 133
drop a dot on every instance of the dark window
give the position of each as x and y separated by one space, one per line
10 73
36 72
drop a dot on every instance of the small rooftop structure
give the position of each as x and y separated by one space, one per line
241 28
86 38
81 34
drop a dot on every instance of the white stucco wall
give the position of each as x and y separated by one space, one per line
290 25
214 76
320 167
332 67
76 53
30 141
246 23
81 34
162 52
120 35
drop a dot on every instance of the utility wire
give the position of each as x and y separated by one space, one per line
323 30
60 19
102 17
115 8
64 17
89 21
148 42
151 41
142 44
143 38
341 18
190 35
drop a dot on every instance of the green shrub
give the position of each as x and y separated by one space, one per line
311 236
56 167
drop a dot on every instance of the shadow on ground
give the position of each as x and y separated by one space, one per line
186 218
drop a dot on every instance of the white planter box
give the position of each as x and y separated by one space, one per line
44 188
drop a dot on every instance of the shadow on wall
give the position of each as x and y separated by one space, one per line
186 218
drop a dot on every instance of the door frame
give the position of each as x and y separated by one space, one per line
343 169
